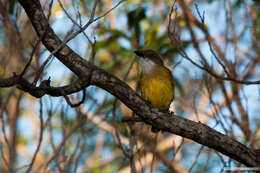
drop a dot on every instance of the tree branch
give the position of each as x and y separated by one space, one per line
44 87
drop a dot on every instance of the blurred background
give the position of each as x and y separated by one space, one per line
196 38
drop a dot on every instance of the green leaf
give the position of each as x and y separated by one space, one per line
12 5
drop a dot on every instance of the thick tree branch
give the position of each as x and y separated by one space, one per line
163 121
44 87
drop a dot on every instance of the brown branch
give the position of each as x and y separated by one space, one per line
44 87
40 139
76 104
163 121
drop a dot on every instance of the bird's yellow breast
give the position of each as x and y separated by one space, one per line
157 88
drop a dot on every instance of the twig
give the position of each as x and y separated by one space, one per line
178 149
196 159
202 18
40 138
76 104
31 57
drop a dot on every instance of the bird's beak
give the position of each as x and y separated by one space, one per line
139 53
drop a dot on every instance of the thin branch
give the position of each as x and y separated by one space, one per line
57 149
196 159
76 104
178 148
202 18
73 21
106 13
40 138
31 57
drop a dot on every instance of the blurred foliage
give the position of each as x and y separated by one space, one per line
12 6
258 24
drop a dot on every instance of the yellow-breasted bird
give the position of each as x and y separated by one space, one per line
156 81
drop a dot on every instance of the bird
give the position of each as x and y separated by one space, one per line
156 80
